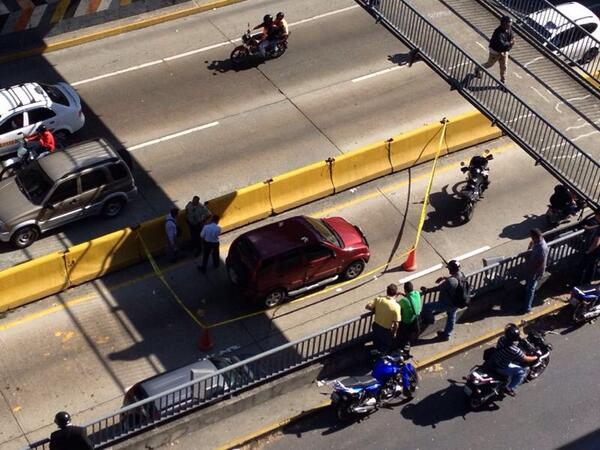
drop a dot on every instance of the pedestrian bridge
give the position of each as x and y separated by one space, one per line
545 107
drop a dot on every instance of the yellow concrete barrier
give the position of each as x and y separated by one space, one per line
361 165
32 280
414 147
242 206
469 129
301 186
92 259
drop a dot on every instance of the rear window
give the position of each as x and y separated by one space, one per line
325 232
118 171
55 94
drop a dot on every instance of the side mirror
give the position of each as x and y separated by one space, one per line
464 169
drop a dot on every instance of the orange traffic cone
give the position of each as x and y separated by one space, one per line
205 343
410 265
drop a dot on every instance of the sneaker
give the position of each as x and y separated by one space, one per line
509 391
503 80
442 336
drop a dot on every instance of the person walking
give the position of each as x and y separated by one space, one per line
210 243
68 437
535 266
410 310
592 252
448 289
387 318
500 45
196 215
172 232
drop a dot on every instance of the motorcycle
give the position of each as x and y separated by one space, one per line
26 153
556 214
484 383
250 47
586 303
390 378
477 183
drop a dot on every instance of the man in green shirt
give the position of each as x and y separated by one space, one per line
410 306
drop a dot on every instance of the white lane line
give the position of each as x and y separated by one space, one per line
173 136
420 274
485 248
199 50
376 74
540 94
481 45
534 60
585 135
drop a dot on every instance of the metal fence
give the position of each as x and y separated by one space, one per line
573 42
209 389
546 144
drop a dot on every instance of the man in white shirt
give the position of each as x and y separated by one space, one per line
210 243
172 231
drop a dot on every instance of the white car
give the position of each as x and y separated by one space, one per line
562 34
23 108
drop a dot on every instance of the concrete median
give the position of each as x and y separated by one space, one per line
56 272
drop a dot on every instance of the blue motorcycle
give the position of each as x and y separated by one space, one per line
390 378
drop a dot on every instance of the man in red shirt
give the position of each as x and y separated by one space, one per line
44 138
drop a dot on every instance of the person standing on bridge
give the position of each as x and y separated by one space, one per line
68 437
386 320
210 243
500 45
196 215
535 266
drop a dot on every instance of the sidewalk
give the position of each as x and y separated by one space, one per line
428 355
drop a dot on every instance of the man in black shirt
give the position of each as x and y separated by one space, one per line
69 437
501 43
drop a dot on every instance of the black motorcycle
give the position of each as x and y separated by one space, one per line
26 153
249 47
563 204
477 183
484 383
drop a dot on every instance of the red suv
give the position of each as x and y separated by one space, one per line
294 255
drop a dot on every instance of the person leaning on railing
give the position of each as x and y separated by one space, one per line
387 318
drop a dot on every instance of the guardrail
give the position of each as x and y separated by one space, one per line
209 389
544 142
582 49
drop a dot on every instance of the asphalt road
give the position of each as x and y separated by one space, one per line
558 411
226 129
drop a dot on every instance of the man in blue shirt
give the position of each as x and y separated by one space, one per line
210 243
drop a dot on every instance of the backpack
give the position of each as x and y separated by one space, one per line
462 294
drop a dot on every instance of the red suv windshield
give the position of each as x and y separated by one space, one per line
325 232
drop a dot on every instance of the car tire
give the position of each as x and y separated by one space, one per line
24 237
61 138
275 298
589 55
354 269
113 207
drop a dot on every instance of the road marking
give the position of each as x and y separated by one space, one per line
540 94
199 50
534 60
485 248
585 135
173 136
481 45
420 274
376 74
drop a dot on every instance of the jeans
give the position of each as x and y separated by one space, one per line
263 46
530 287
515 373
382 338
588 267
435 307
208 249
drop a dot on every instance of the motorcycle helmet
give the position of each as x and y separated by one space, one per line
41 129
506 19
512 333
453 266
267 19
280 15
62 419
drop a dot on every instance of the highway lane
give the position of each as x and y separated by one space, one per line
91 342
310 104
557 411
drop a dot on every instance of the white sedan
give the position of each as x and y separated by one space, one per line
24 107
558 32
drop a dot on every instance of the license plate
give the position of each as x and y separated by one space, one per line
468 390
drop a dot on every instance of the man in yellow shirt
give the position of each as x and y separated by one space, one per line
387 318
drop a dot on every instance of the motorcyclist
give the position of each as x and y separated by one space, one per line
509 359
267 30
281 27
480 163
42 140
563 200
